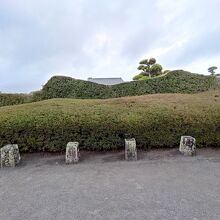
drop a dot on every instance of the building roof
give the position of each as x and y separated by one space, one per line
106 81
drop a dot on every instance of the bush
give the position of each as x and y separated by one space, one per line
13 99
144 77
156 69
137 77
173 82
67 87
166 71
154 120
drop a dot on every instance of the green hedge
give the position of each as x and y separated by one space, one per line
13 99
174 82
154 120
66 87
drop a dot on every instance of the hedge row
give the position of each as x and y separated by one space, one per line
154 120
174 82
14 99
66 87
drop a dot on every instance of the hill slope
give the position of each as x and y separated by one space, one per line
154 120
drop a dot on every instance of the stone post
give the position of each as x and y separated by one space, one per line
187 146
10 156
130 149
72 152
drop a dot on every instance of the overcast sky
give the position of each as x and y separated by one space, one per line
103 38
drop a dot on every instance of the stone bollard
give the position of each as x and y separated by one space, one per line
130 149
10 155
72 152
187 146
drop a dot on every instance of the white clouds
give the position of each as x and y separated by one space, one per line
103 38
202 64
97 44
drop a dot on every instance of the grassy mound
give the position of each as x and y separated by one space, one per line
154 120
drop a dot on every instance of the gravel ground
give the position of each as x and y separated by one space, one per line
162 184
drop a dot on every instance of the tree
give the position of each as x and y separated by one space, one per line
156 69
149 69
212 69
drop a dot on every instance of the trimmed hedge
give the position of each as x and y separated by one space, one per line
13 99
178 81
66 87
154 120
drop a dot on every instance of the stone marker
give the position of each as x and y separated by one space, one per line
72 152
10 155
187 146
130 149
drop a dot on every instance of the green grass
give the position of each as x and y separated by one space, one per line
154 120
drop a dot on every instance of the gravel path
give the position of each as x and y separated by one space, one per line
162 184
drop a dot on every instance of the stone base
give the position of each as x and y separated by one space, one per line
10 155
130 149
72 153
187 146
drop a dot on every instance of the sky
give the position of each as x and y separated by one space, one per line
102 38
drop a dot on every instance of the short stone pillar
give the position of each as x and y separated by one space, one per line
187 146
72 152
10 156
130 149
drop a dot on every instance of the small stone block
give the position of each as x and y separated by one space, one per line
130 149
187 146
72 153
10 156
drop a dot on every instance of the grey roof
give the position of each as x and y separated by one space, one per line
106 81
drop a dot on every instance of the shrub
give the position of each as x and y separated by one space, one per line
13 99
154 120
166 71
67 87
137 77
144 77
173 82
156 69
149 68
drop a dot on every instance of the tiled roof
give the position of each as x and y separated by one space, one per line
106 81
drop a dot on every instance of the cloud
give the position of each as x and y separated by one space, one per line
101 38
